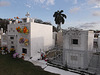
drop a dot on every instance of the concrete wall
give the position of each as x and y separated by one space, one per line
77 59
99 43
78 55
12 40
85 41
20 46
90 40
11 33
54 38
74 58
41 38
59 39
12 29
82 42
3 41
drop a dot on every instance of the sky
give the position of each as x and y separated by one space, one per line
84 14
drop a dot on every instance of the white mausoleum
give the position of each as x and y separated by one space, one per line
4 39
77 47
29 37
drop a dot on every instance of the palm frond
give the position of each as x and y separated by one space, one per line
63 15
55 14
59 18
58 11
61 11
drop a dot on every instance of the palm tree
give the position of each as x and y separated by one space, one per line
59 19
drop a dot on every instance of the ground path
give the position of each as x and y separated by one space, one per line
43 64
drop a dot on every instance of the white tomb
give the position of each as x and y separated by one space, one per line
4 39
40 37
77 47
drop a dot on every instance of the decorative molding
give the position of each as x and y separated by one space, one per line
72 31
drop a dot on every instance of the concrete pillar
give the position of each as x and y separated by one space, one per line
16 21
10 22
99 42
59 39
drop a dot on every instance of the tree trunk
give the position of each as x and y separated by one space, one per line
58 27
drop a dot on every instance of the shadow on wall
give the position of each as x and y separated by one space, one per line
48 47
37 44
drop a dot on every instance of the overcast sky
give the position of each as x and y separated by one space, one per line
80 13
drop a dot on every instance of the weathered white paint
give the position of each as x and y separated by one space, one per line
85 41
40 37
77 55
59 38
3 40
99 42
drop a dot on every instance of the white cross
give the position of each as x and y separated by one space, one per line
27 14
